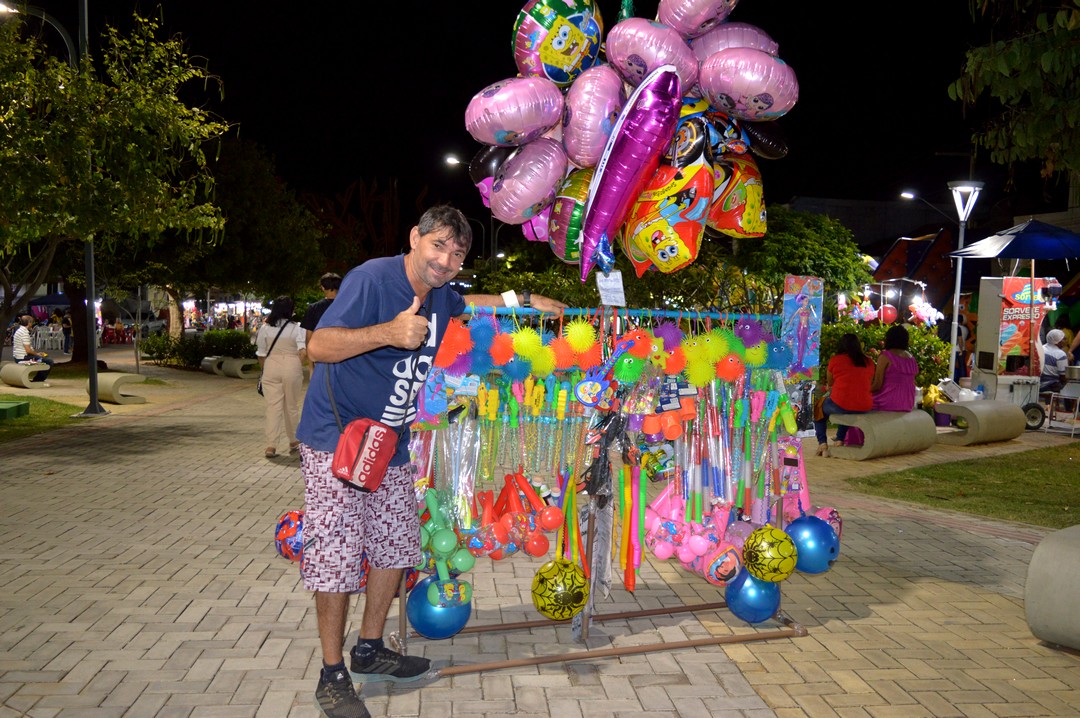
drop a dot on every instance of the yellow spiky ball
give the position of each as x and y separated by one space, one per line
699 372
580 334
756 355
694 349
543 362
527 342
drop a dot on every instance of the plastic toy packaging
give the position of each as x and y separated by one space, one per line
460 445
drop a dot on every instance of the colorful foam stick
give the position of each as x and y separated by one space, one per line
643 131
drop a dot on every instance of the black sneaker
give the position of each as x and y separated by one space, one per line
387 665
336 697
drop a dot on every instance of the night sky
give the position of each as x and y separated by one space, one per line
342 91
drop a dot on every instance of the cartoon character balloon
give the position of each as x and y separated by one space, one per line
748 84
738 205
557 39
514 112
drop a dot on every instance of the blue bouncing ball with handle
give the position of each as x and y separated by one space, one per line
817 543
434 622
752 599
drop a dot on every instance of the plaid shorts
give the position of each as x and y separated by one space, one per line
340 523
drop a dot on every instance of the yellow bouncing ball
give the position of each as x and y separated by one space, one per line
560 589
769 554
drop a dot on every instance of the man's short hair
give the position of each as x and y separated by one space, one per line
330 282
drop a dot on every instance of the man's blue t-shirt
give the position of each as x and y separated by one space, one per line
381 384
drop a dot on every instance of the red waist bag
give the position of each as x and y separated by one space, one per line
363 452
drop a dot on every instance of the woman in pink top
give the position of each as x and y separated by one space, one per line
894 380
893 386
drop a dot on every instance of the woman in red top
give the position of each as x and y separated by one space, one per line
847 383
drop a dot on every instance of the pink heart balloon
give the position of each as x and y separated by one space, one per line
691 18
732 34
637 46
749 84
525 184
593 104
514 112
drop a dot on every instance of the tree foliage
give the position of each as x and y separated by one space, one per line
1027 80
745 275
109 157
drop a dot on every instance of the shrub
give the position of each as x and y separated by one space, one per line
188 351
929 350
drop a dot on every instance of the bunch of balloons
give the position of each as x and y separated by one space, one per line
651 147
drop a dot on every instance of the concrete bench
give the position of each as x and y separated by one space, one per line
112 388
1053 583
886 433
14 409
22 375
212 365
986 419
241 368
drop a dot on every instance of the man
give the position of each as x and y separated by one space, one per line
330 284
1055 360
373 348
65 326
22 348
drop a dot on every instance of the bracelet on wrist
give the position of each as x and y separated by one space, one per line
510 299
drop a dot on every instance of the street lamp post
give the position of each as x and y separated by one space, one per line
965 194
94 408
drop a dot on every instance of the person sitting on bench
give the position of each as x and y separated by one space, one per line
847 385
22 348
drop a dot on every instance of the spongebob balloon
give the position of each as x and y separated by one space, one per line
557 39
738 204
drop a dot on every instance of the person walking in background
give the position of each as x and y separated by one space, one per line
372 350
847 387
280 347
330 284
22 348
65 327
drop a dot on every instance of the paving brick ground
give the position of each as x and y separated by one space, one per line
140 579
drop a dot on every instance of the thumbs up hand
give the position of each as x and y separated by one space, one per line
409 329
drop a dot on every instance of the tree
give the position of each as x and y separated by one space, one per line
110 158
1027 79
270 245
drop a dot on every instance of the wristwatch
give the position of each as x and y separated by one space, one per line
526 298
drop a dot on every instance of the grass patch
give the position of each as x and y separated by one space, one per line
1036 487
45 415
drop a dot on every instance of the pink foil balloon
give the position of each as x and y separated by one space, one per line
514 112
525 184
732 34
749 84
644 130
691 18
593 104
637 46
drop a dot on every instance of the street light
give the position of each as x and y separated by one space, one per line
49 20
965 194
492 233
